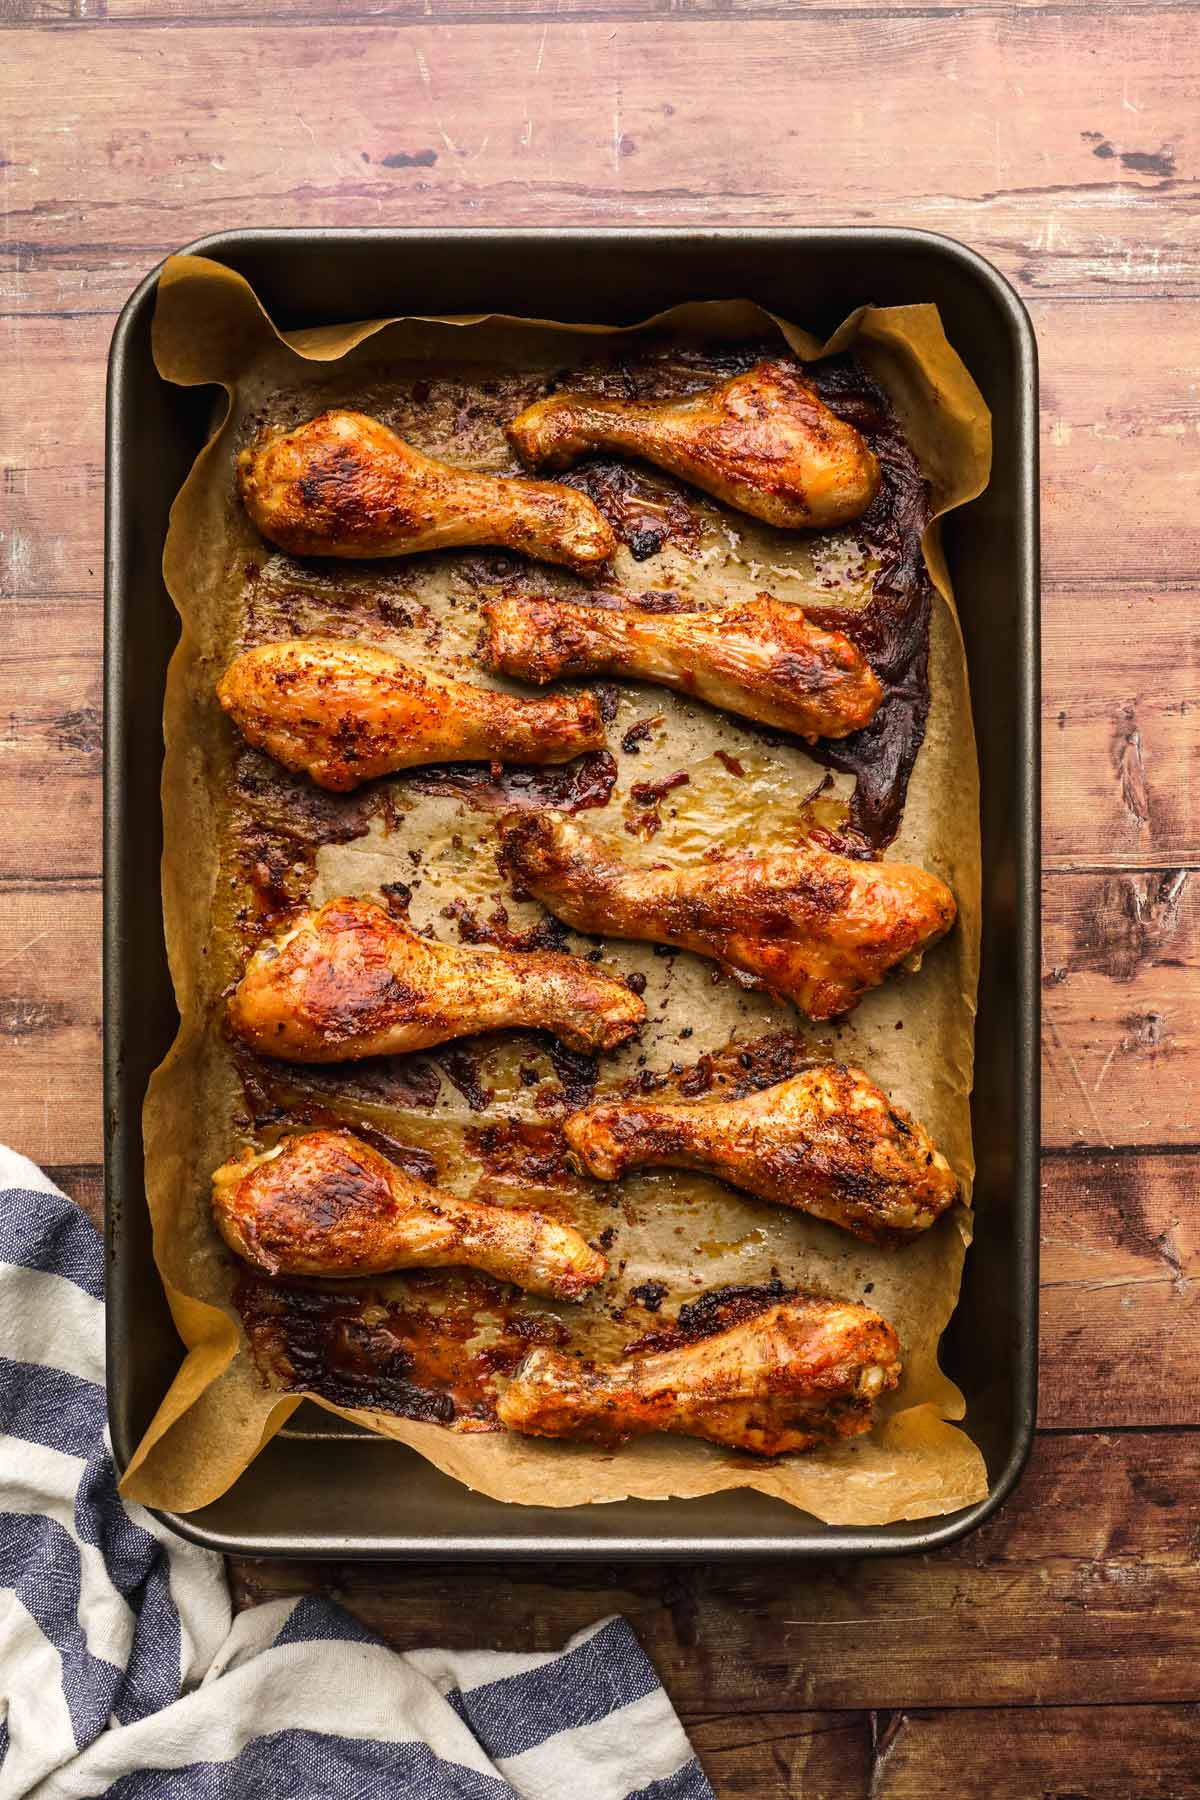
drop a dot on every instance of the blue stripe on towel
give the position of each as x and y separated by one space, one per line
46 1231
688 1783
302 1765
40 1562
50 1407
314 1620
518 1712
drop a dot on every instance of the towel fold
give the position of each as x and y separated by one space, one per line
125 1673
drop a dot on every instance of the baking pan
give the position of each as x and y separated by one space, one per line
321 1488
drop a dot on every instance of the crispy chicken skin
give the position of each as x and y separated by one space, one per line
828 1142
762 659
349 980
344 485
762 441
345 712
328 1204
817 928
804 1372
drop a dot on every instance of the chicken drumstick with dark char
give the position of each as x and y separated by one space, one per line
761 659
826 1142
763 441
803 1372
815 927
344 713
344 485
326 1204
349 980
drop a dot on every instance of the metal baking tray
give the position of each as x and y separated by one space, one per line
321 1488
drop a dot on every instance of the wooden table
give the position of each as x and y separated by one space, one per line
1058 1650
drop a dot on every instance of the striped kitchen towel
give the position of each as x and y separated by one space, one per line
124 1673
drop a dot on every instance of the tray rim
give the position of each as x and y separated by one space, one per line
812 1539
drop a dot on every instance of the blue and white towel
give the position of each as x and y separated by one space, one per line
124 1672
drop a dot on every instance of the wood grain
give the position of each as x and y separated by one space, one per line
1072 162
342 13
1121 689
1120 1319
1121 1023
1125 1753
50 1021
769 1755
974 1753
50 742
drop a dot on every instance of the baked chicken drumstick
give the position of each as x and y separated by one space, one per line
818 928
349 980
763 441
804 1372
344 485
344 713
328 1204
762 659
828 1142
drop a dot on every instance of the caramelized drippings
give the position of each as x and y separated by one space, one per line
565 787
419 1357
892 629
711 1313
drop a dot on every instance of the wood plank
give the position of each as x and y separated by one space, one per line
1120 1296
50 1022
446 12
974 1753
50 739
1121 683
1084 1752
1121 1019
51 473
1081 179
1085 1588
785 1755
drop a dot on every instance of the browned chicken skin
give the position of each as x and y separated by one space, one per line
803 1372
763 441
827 1142
345 712
350 980
327 1204
761 659
344 485
818 928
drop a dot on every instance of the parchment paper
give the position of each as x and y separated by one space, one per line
431 380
